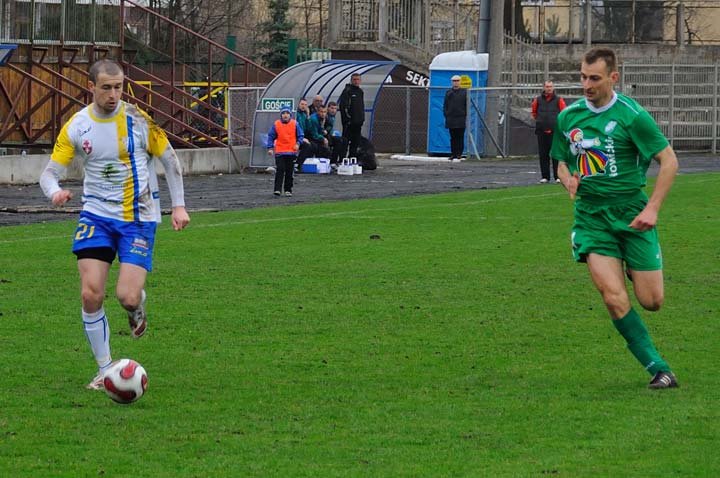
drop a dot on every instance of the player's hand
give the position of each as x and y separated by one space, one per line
646 220
61 197
572 183
180 218
296 147
270 152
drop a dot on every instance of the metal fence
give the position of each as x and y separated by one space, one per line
683 99
421 28
622 21
400 119
523 62
55 21
434 26
241 105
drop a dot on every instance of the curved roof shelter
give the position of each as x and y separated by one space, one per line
308 79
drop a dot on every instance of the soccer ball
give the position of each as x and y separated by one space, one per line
125 381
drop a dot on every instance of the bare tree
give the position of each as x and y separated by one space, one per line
314 21
217 19
214 19
694 23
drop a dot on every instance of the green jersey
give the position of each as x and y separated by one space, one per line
609 147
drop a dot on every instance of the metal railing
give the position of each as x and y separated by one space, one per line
417 30
48 22
523 62
683 99
188 56
622 21
424 28
48 81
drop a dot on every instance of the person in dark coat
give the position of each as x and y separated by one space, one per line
455 111
545 109
352 113
338 147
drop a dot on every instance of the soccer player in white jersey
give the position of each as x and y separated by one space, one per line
116 142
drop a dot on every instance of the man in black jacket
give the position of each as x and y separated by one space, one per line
455 111
352 113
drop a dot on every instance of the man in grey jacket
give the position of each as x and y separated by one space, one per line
455 111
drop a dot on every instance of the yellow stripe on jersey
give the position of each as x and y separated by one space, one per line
124 157
157 139
64 150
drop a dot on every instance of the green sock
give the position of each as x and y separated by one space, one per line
632 328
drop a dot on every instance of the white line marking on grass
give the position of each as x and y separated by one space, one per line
34 239
340 214
328 215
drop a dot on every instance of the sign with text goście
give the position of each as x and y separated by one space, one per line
276 104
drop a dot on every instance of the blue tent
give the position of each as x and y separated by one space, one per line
305 80
472 68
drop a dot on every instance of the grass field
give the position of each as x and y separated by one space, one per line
286 342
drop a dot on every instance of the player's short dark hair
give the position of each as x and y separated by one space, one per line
331 103
355 75
601 53
109 67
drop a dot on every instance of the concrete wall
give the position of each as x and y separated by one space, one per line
17 169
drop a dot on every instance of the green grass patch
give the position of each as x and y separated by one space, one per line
461 340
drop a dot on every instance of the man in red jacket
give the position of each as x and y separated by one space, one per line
545 109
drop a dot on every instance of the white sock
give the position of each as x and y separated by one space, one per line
97 331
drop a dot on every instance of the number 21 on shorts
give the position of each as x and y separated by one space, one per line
84 231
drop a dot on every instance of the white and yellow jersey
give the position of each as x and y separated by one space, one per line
120 181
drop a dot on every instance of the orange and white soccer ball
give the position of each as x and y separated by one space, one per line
125 381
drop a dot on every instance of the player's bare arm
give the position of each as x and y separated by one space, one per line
570 181
647 219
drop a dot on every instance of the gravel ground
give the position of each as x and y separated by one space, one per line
26 204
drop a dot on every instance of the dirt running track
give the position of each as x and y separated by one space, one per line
26 204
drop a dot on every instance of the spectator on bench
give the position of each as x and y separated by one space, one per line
302 116
317 144
317 103
318 133
336 143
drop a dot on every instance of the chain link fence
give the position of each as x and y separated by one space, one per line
241 105
683 99
400 120
501 117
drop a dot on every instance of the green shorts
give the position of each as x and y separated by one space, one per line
605 230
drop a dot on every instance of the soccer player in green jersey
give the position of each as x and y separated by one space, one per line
605 143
